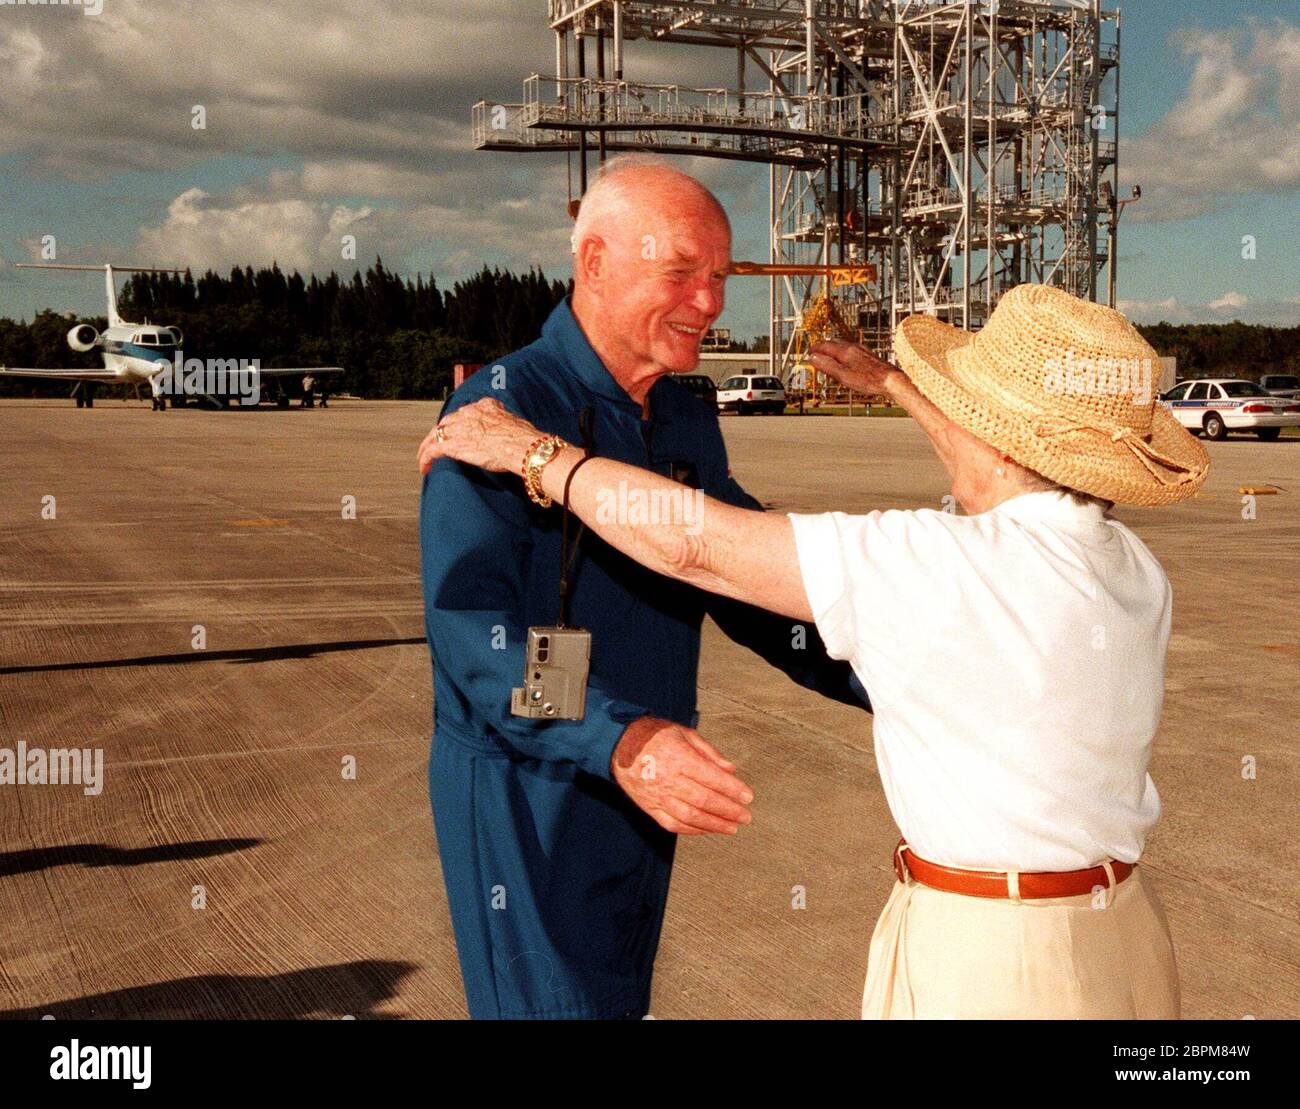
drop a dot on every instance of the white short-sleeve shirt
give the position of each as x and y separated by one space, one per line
1015 662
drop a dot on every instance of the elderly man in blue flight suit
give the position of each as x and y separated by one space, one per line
557 836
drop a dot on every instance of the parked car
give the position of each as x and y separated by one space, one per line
1221 405
747 393
1281 385
700 385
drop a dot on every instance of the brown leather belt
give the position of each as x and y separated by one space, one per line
997 883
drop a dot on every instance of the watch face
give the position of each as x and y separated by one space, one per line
546 451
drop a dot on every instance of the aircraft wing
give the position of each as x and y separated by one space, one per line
301 371
61 375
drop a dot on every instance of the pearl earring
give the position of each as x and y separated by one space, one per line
1002 471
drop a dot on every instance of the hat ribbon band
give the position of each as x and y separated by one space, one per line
1142 450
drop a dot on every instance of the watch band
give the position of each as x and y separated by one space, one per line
535 459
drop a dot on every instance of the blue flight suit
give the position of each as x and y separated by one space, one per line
557 882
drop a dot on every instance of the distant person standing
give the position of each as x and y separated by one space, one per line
308 385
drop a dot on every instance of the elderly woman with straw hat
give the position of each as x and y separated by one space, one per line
1015 654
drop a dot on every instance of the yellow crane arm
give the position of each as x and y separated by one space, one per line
840 276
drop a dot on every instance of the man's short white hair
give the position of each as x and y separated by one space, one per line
611 186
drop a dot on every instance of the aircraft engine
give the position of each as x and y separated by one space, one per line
82 337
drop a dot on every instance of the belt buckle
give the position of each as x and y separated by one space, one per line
900 867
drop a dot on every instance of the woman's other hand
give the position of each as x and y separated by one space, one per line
483 434
853 365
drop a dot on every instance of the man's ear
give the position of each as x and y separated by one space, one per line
591 260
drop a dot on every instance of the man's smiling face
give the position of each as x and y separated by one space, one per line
651 271
672 291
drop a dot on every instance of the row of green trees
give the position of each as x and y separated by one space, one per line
399 338
1227 349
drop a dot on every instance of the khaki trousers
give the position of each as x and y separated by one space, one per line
939 955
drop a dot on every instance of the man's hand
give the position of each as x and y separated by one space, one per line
853 365
672 774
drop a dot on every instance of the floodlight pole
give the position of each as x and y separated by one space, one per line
1112 232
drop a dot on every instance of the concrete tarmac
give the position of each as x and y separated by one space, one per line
232 866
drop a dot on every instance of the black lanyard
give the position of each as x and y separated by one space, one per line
569 553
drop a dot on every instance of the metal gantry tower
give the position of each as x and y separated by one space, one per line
959 147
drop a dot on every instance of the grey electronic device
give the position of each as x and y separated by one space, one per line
557 659
555 675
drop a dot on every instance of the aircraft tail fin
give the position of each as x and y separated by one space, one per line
110 286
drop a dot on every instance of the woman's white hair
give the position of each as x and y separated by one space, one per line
1035 482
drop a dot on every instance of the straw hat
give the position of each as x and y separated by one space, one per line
1065 387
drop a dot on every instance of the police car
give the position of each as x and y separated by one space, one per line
747 393
1217 406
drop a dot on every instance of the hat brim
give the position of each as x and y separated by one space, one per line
1080 459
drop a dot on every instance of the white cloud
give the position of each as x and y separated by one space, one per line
1235 132
202 233
350 177
386 83
368 104
285 218
1231 306
1220 89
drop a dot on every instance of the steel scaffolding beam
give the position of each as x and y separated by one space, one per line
959 146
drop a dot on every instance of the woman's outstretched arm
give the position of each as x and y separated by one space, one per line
737 552
662 524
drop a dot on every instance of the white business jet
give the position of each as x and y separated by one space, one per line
135 353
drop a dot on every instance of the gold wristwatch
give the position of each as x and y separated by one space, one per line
536 457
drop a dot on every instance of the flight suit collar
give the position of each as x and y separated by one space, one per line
579 357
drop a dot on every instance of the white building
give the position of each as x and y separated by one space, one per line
721 366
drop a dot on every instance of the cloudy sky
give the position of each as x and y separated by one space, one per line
339 117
